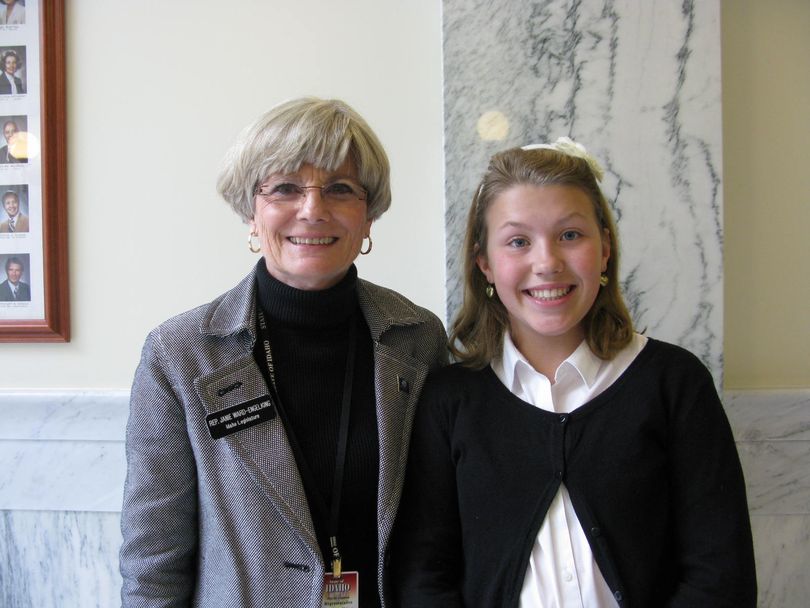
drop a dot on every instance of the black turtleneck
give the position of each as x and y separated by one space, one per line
309 336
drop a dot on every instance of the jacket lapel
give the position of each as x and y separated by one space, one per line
263 450
398 380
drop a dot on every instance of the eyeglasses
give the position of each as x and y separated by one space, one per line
289 192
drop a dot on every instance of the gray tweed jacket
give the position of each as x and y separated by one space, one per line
225 522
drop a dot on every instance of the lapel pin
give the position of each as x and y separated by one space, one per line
224 391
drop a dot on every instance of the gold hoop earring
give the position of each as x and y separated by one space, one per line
490 290
253 249
604 280
370 245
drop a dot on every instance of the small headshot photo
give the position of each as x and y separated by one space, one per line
12 12
15 208
12 60
16 287
15 149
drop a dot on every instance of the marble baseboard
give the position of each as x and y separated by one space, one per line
63 415
777 476
55 560
772 429
62 450
71 559
62 470
782 550
769 415
62 475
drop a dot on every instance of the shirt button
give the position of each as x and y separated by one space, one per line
568 576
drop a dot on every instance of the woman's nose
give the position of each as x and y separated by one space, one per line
312 207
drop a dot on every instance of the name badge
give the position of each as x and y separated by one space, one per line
342 591
241 416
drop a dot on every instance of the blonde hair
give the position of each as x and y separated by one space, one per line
309 130
476 334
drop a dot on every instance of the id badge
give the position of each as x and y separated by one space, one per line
341 592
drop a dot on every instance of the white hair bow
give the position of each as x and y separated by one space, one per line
566 145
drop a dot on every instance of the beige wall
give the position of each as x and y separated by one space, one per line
766 148
157 91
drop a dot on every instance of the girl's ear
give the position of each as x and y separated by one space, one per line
605 248
483 264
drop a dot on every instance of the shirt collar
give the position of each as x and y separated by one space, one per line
582 361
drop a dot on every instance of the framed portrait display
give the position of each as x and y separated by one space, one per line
34 302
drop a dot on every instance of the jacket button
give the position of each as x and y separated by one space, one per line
558 474
563 418
596 532
618 595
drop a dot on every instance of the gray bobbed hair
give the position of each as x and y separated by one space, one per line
318 132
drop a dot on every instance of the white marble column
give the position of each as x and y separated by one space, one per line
637 83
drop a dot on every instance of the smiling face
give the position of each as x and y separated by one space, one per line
311 243
544 253
11 205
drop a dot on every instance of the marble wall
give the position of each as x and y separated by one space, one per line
772 429
62 471
637 83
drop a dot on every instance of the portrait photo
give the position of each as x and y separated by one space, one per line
14 213
12 60
12 12
15 147
16 287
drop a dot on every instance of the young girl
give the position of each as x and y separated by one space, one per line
565 460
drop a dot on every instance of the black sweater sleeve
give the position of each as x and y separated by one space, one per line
426 544
713 541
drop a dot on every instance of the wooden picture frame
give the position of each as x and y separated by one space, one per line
36 101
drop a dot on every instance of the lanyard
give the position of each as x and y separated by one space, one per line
343 436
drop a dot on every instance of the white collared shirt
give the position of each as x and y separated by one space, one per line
562 572
16 16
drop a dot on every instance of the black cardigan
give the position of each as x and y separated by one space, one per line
650 465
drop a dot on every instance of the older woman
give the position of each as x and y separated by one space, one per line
12 13
10 83
268 429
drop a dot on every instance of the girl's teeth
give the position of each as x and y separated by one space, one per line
549 294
